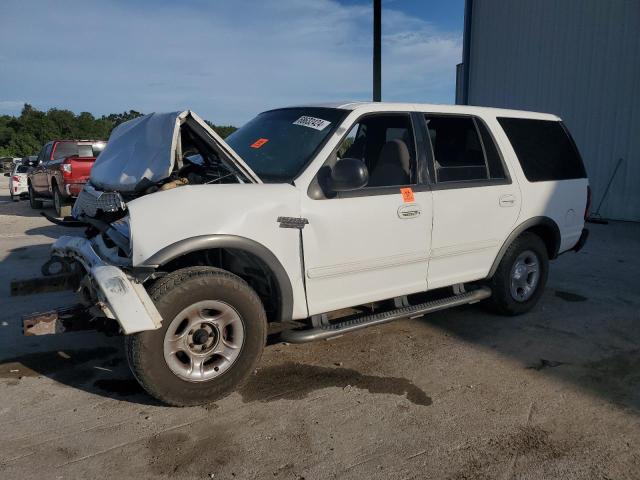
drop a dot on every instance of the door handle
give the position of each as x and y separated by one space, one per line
409 211
507 201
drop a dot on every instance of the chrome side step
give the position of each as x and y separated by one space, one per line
340 328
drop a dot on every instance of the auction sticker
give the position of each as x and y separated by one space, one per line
312 122
260 142
407 195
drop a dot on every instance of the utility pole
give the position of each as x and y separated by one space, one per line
377 50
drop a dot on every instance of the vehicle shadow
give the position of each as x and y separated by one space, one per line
100 368
53 231
584 332
88 361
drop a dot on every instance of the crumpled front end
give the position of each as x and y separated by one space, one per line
119 295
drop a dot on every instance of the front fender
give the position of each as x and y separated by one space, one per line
167 224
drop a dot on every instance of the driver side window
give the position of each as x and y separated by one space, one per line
385 144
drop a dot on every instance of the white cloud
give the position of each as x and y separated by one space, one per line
225 60
11 105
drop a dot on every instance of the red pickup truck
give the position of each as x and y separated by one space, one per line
62 169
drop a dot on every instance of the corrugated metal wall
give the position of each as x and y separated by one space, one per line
579 59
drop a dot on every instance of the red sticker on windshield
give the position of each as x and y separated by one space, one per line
260 142
407 195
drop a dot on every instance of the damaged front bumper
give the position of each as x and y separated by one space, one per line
120 296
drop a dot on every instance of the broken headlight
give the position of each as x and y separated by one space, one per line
122 226
120 234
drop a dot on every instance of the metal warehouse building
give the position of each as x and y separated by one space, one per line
579 59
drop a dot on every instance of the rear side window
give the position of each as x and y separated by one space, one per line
463 150
544 149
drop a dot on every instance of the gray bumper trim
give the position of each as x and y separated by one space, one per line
121 297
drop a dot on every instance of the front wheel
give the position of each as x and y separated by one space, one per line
521 276
212 337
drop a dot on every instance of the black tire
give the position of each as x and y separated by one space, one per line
33 201
62 207
502 300
14 198
172 294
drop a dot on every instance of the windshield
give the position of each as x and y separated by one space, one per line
22 169
279 143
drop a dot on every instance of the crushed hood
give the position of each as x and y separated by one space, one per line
143 151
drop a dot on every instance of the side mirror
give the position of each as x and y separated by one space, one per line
8 174
348 174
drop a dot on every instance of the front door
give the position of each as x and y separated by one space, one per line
39 175
373 243
475 203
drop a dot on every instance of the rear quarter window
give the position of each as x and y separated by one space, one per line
544 149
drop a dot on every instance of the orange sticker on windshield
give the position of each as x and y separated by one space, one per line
407 195
260 142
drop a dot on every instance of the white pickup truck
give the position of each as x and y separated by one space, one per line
337 216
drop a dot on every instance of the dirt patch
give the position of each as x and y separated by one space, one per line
51 363
527 440
179 454
570 297
122 387
295 381
488 458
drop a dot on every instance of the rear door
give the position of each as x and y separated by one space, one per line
373 243
475 202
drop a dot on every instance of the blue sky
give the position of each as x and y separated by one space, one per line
227 59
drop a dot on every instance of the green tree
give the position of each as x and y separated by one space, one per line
25 134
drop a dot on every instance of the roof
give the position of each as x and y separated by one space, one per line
429 107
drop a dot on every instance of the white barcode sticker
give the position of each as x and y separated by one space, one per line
312 122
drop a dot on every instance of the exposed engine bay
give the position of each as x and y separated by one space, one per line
196 164
153 153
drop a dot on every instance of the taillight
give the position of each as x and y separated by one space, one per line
587 208
66 169
16 179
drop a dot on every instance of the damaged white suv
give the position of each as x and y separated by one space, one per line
338 217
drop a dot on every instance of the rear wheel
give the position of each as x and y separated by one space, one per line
521 276
62 207
212 337
33 200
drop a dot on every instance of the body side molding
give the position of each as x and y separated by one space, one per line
527 224
205 242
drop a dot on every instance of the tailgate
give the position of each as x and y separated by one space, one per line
80 168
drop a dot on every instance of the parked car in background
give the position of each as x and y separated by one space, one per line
8 163
18 182
62 169
31 160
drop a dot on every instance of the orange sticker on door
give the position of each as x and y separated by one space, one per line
260 142
407 195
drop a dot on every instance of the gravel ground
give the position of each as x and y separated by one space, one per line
460 394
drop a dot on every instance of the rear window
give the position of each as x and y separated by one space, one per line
463 149
22 169
544 149
69 149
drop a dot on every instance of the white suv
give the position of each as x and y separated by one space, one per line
338 216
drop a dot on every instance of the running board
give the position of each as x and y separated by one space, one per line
340 328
